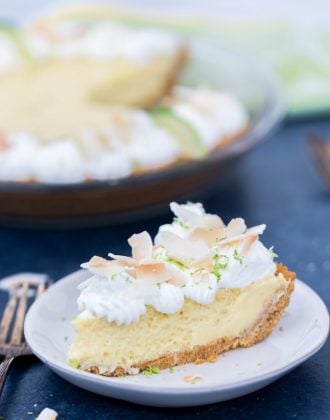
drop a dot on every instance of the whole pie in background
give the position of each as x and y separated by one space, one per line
94 99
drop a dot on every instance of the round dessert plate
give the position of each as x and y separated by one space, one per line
300 333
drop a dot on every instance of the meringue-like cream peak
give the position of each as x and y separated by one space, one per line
191 258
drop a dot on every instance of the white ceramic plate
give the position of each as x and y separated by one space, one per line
301 332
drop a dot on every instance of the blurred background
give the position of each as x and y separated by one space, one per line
292 37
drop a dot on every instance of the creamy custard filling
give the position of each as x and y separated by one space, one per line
194 324
193 259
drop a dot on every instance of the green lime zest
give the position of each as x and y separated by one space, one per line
151 370
176 262
220 263
220 239
74 363
238 257
198 270
272 253
181 223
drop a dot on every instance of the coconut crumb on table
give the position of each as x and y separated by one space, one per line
47 414
192 379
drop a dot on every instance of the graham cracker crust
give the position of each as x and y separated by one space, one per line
181 58
209 353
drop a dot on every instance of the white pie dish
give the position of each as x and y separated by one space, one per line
300 333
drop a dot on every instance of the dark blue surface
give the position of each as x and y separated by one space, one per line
276 185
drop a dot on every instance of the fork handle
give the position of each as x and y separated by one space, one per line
4 366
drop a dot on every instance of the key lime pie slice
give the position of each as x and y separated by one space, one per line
202 288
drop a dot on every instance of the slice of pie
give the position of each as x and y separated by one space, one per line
203 288
59 79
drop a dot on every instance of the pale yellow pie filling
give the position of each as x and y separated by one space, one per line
234 313
61 98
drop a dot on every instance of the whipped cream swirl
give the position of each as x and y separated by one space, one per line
192 258
99 41
131 140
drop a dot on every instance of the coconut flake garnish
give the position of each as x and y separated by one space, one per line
192 258
183 249
47 414
192 379
103 267
141 245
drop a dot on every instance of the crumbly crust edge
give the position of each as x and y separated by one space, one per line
210 352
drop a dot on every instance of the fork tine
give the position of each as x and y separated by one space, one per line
20 315
7 316
41 288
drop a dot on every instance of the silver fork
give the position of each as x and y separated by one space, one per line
12 343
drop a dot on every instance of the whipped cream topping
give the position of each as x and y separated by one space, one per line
192 258
214 115
100 41
132 141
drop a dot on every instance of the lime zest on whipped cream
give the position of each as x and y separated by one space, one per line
181 223
179 264
220 263
272 253
238 257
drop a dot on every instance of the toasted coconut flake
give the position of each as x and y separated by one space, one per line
47 414
141 244
247 243
191 379
256 230
205 263
178 278
103 267
236 227
209 236
126 261
212 221
183 249
238 239
152 273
